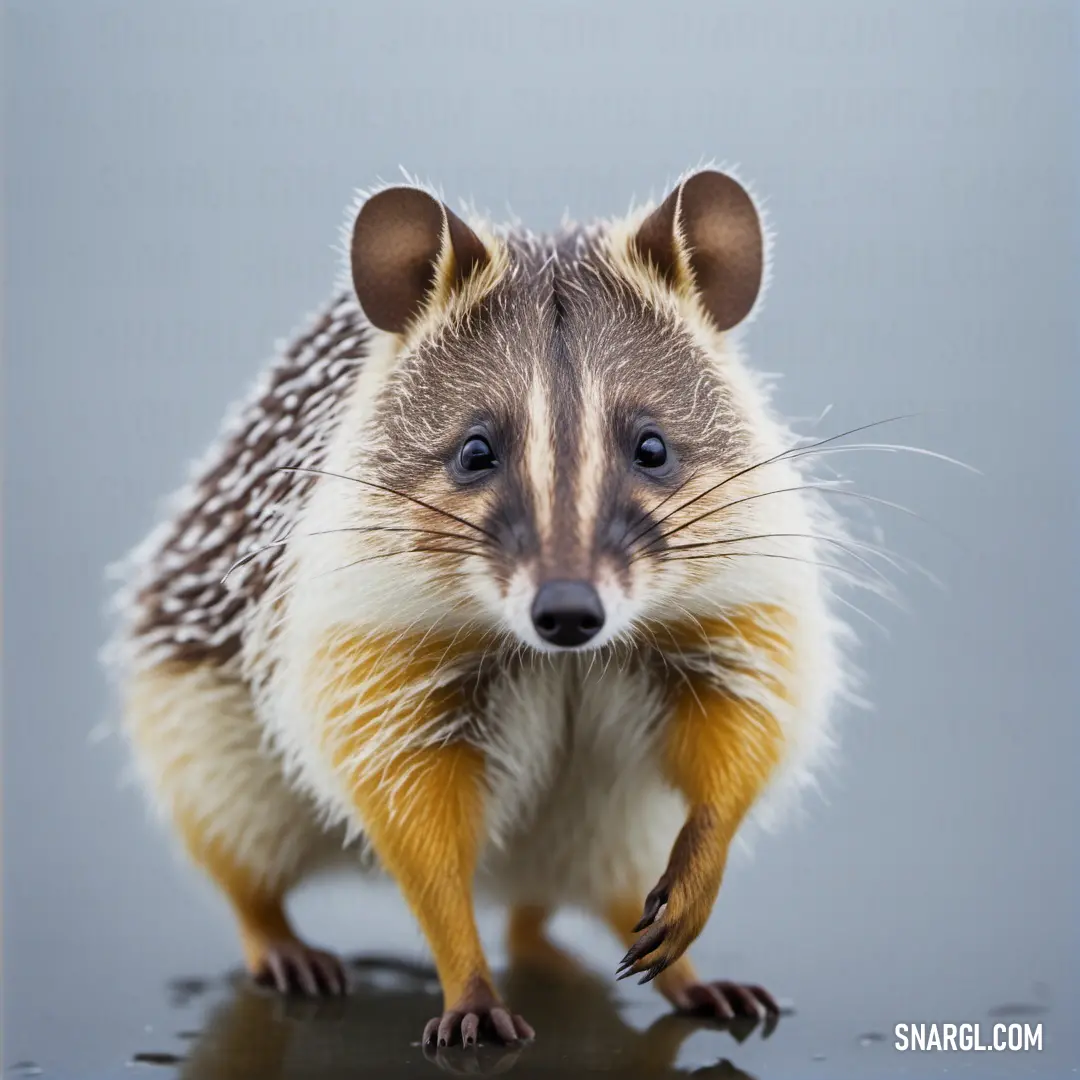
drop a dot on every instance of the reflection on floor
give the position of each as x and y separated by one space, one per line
376 1029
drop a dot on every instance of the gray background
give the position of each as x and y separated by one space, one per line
175 176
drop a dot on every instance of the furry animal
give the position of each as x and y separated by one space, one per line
505 578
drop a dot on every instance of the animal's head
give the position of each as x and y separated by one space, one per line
554 411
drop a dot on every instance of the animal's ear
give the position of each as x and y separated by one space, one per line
398 246
708 226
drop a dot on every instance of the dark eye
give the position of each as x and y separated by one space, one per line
476 455
651 451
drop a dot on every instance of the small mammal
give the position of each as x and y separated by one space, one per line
504 579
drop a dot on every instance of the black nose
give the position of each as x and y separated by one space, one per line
567 613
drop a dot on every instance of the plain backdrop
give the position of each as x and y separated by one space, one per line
175 178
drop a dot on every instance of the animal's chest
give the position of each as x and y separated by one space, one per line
563 738
577 800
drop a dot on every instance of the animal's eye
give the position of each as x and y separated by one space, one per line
651 452
476 455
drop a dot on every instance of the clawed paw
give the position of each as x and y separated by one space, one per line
645 957
727 1001
465 1026
291 967
667 928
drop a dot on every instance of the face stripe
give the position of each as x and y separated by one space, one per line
590 463
540 457
560 365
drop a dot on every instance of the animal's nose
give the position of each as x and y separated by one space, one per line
567 613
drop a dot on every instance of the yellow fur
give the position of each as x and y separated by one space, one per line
259 911
430 848
253 867
719 752
422 802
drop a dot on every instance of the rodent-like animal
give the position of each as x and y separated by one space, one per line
505 579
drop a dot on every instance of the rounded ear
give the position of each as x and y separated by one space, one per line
397 244
714 220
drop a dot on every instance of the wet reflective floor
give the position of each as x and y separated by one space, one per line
205 1026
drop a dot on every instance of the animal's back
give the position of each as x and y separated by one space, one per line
239 504
184 603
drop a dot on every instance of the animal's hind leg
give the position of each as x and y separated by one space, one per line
198 745
529 946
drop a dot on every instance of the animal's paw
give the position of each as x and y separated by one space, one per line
477 1012
725 1000
675 914
291 967
467 1027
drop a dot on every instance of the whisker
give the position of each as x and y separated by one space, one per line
652 510
449 551
843 545
845 571
859 611
281 594
779 491
438 666
393 491
789 452
643 627
695 620
682 656
891 448
345 529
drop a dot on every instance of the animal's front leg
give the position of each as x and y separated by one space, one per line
719 752
420 798
423 815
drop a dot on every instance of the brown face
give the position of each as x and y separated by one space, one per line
558 418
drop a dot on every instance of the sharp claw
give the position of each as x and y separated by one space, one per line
654 970
325 975
523 1028
656 899
735 992
278 972
431 1032
293 968
636 968
641 948
504 1025
446 1027
721 1004
305 974
766 999
469 1027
